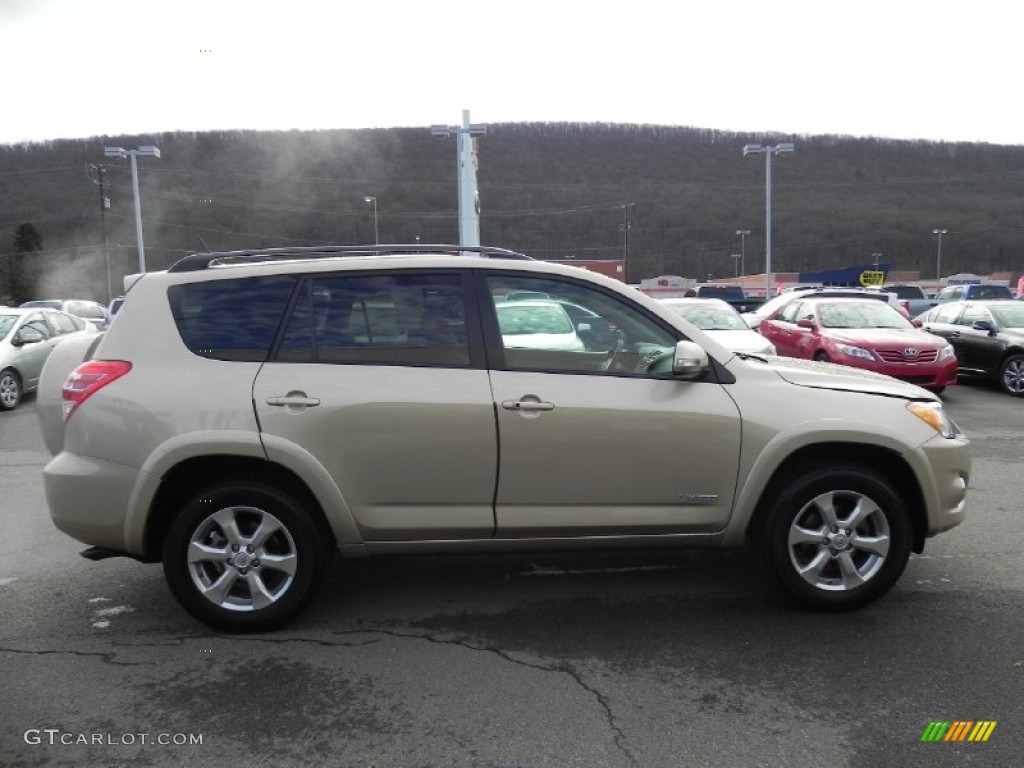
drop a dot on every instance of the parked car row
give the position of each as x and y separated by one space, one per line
982 337
91 311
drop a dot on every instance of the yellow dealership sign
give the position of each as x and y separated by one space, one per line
872 278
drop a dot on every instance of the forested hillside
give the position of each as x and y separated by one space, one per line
670 198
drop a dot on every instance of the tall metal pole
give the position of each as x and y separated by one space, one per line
138 211
938 258
466 165
768 225
757 149
743 250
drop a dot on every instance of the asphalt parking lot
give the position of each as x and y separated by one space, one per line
633 659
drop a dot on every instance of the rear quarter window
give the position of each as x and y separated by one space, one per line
234 319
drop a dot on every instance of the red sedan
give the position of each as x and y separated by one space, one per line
863 334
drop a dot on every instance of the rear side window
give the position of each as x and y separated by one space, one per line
235 319
396 319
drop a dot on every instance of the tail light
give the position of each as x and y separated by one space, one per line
88 379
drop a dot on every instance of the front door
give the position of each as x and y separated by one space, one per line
592 441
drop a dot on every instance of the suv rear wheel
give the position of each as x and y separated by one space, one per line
242 557
837 536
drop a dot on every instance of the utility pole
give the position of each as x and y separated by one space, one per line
625 232
101 180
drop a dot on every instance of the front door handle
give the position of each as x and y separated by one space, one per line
293 400
527 405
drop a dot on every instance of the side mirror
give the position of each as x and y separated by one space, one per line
27 335
983 325
917 323
803 322
689 361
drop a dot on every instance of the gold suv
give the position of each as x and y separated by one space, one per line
251 414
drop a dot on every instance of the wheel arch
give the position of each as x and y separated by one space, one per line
885 462
190 475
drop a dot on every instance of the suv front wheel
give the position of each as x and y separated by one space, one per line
837 536
242 557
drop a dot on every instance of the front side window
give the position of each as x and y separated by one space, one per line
973 314
560 325
396 319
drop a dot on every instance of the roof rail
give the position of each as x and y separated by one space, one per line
198 261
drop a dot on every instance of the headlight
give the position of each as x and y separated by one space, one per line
947 352
935 415
846 349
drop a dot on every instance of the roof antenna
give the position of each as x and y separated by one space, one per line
204 243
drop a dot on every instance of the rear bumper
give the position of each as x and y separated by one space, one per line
89 498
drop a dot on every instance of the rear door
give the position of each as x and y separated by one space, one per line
595 441
379 378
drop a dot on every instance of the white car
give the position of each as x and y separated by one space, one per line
537 324
723 323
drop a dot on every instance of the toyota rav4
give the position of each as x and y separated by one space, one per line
253 414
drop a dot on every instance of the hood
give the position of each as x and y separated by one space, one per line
742 341
810 373
885 337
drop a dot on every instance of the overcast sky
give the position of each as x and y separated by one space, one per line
915 69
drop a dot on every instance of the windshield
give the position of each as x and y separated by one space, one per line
861 314
6 323
711 318
532 318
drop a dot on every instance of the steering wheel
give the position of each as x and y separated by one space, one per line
613 354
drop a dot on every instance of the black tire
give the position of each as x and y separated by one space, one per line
10 390
259 597
1011 375
936 390
799 534
821 357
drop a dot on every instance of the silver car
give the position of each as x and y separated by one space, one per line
27 337
721 321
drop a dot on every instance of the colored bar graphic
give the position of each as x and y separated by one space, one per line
959 730
982 730
935 731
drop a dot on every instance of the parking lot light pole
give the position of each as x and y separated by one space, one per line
148 151
743 250
767 151
938 258
376 232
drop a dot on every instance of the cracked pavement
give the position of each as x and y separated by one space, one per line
607 660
